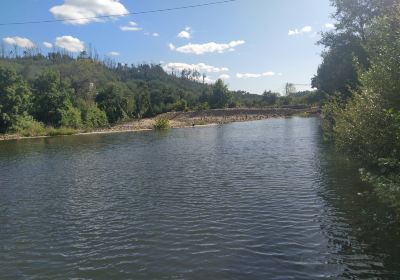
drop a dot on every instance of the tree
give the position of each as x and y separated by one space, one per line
51 95
345 51
15 98
220 95
269 97
113 103
95 117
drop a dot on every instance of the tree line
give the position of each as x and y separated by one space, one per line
360 74
60 90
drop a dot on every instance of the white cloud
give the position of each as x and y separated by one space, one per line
85 10
305 29
171 46
293 32
329 25
224 77
19 41
70 43
155 34
113 53
201 67
185 34
131 26
47 45
207 47
254 75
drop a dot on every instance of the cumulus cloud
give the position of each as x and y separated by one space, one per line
224 77
47 45
201 67
19 41
131 26
83 11
207 47
254 75
113 53
155 34
70 43
186 33
305 29
329 25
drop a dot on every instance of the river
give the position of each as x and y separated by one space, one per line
254 200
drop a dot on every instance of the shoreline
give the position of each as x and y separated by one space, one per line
191 119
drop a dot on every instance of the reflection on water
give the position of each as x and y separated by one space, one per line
256 200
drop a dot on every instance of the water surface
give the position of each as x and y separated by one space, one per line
256 200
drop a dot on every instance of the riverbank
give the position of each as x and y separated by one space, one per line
193 118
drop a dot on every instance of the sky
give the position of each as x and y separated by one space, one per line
253 45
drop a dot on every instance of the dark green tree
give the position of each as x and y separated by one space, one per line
15 98
220 95
50 95
269 97
112 101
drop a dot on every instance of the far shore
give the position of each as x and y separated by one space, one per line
194 118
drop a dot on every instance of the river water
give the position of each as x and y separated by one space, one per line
257 200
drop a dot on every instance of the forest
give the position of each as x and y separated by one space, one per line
58 93
360 73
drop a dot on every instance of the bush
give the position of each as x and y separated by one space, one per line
202 107
26 126
162 124
95 117
180 105
70 117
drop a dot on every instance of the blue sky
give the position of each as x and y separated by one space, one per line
255 45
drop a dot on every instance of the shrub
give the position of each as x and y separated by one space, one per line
162 124
180 105
26 126
70 117
95 117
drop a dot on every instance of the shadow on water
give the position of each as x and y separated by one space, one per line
363 232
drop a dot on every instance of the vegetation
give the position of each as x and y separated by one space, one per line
363 117
39 93
162 124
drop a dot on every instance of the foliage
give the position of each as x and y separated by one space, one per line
27 126
70 117
95 117
14 98
220 95
114 103
269 98
51 96
180 105
162 124
367 125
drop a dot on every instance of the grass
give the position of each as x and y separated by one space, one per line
60 131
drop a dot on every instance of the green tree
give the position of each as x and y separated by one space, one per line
15 98
51 95
269 97
220 95
95 117
70 116
367 126
112 101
